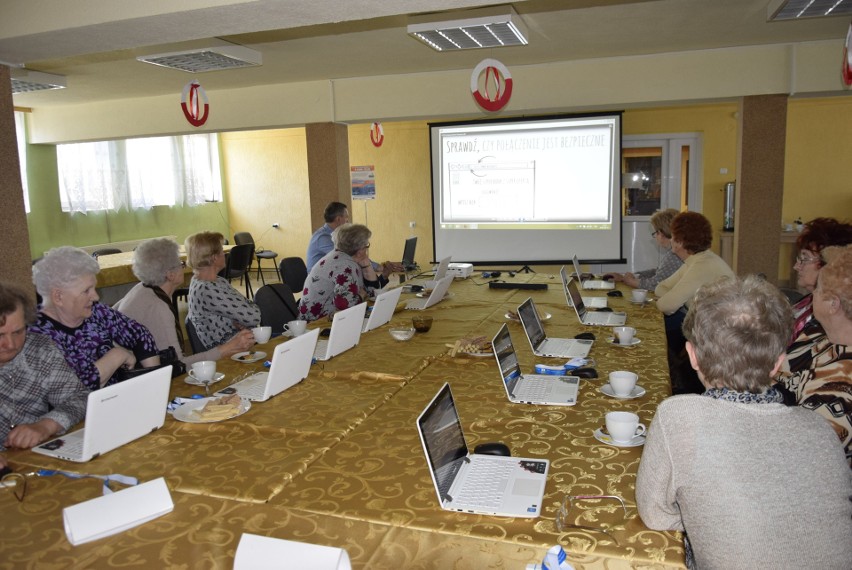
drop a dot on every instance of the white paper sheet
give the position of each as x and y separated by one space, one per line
262 552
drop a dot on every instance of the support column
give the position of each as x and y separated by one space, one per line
15 263
760 184
328 167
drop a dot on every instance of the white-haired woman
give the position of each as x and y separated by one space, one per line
157 265
95 339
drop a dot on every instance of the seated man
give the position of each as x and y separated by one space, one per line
752 483
336 214
40 396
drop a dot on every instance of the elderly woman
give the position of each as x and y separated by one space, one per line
821 378
669 262
157 264
217 310
95 339
752 483
816 236
344 277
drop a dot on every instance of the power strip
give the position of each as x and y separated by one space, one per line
529 286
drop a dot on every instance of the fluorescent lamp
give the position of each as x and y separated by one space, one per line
27 80
799 9
214 58
488 28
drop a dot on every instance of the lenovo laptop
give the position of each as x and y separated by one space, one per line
436 296
115 415
440 272
541 389
591 302
544 346
594 318
476 483
591 283
291 362
382 309
345 332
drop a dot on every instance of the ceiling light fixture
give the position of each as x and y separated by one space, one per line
487 28
800 9
214 58
27 80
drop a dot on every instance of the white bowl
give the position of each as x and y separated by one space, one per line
402 333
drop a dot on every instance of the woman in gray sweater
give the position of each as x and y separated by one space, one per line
752 483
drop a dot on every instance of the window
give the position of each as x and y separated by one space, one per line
139 173
20 130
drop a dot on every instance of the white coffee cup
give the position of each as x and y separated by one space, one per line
639 295
624 334
296 328
204 370
623 426
261 334
622 382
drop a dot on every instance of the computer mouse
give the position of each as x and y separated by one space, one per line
584 372
615 293
585 336
493 448
325 332
416 288
605 309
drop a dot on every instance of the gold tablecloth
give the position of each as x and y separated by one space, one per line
337 460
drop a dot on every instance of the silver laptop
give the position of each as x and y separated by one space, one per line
544 346
530 388
436 296
382 309
291 362
440 272
591 302
116 415
591 283
594 318
345 332
476 483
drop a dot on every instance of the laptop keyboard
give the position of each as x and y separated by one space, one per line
252 387
562 347
321 349
485 484
535 388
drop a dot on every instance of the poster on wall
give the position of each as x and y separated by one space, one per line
363 179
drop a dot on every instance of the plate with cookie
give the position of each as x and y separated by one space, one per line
210 410
473 346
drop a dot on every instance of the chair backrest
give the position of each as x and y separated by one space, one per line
277 306
181 293
194 341
239 259
243 238
105 251
294 272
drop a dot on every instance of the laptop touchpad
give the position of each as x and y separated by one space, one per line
528 487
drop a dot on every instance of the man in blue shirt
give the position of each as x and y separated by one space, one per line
335 215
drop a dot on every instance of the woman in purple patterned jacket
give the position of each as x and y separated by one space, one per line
95 339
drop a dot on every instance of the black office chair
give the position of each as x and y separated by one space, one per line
181 294
105 251
243 238
294 272
239 261
195 342
277 306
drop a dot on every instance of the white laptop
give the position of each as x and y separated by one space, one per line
476 483
591 302
530 388
544 346
594 318
116 415
291 362
382 309
345 332
440 272
591 283
436 296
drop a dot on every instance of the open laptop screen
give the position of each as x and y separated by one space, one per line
507 360
576 299
532 325
443 438
408 252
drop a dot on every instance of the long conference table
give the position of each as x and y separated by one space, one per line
336 460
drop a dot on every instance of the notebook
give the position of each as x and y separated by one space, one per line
476 483
436 296
408 254
345 332
594 318
553 347
291 362
591 283
592 302
382 310
440 272
530 388
115 415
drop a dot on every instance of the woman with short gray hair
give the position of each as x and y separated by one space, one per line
157 264
95 339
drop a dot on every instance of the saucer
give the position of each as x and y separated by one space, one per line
249 357
612 340
191 379
646 301
604 437
636 392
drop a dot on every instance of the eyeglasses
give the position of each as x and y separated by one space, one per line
562 524
16 483
803 259
654 233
